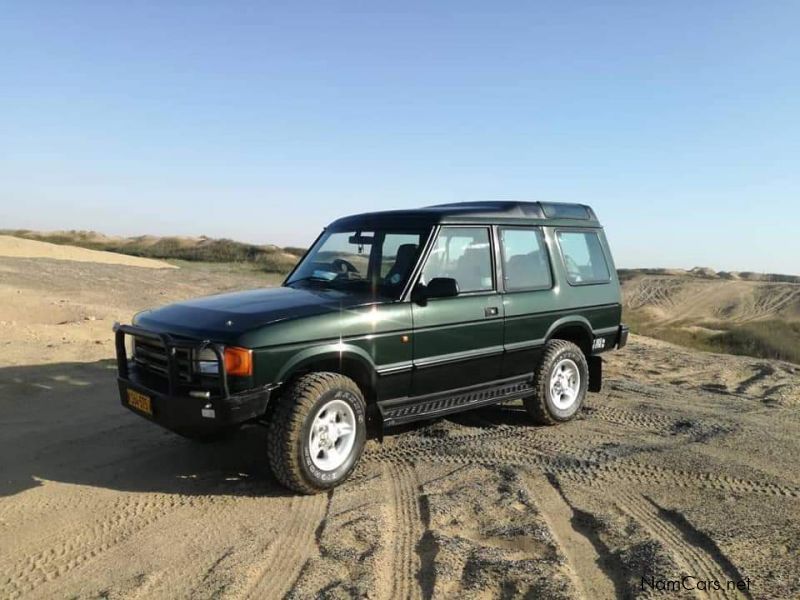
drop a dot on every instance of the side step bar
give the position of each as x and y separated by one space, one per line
405 410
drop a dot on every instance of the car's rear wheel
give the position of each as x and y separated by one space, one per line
560 383
317 432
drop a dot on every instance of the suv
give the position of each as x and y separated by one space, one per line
389 318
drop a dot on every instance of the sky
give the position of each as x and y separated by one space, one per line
679 122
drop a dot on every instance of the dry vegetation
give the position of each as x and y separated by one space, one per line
735 313
270 258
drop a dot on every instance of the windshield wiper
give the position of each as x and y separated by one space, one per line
310 278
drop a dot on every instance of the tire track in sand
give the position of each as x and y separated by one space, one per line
692 550
585 563
572 461
69 549
406 521
297 541
661 424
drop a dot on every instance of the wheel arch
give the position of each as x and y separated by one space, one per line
350 361
573 329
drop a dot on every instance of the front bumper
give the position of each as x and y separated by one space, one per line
184 407
188 415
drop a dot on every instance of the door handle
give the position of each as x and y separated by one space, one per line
491 311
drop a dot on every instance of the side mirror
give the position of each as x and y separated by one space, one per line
441 287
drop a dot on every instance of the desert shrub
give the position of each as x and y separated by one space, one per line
277 263
774 339
637 321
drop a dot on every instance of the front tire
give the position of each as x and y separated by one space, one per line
317 432
560 383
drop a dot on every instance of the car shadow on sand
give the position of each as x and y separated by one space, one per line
63 422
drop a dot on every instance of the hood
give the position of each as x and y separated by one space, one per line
225 317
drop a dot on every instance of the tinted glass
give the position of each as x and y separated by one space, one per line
583 257
525 263
553 210
464 254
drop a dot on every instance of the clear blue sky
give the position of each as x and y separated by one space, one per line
678 121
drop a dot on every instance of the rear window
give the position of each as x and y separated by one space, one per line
525 262
554 210
583 257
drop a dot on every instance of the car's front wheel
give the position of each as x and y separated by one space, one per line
560 383
317 432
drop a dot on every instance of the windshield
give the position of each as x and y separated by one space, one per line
363 261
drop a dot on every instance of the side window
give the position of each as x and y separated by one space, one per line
463 253
398 256
583 257
525 263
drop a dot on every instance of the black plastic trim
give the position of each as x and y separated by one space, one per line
398 411
170 344
622 339
183 414
595 373
174 405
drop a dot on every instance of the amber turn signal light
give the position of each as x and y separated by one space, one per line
238 361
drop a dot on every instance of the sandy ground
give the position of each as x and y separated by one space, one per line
20 248
686 464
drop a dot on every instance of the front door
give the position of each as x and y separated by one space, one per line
458 341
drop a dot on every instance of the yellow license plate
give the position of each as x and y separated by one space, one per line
140 402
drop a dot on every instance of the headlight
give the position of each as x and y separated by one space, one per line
206 362
236 361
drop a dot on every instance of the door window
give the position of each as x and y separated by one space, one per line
464 254
583 257
398 255
525 262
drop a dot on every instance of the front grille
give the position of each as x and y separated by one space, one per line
151 355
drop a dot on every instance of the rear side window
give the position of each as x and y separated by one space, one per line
525 263
583 257
464 254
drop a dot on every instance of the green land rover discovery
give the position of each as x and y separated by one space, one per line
389 318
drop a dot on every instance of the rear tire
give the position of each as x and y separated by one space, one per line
317 432
560 383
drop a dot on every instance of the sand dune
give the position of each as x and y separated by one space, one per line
680 298
267 257
22 248
740 313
